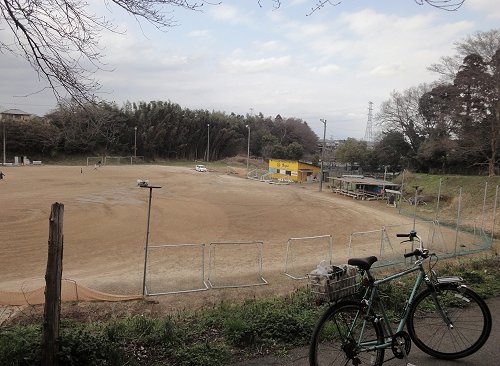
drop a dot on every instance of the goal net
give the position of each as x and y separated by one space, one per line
304 254
114 160
94 160
235 264
137 160
175 268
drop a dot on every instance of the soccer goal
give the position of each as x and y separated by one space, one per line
94 160
304 254
114 160
137 160
175 268
235 264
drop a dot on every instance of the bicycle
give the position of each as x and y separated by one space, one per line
445 319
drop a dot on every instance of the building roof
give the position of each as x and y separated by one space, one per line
367 181
16 112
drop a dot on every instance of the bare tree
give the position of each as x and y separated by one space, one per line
60 38
484 44
401 113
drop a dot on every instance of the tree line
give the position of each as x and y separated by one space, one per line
158 130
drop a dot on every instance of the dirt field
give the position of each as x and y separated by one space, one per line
105 225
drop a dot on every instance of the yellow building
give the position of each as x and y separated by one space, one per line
293 170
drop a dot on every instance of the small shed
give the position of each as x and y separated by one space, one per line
293 170
360 187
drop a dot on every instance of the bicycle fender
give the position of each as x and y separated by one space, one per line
450 279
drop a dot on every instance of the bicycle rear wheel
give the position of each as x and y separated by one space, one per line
468 314
335 339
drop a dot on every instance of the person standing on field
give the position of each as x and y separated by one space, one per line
1 175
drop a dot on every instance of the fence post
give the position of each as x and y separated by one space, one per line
494 216
52 308
484 205
459 209
439 198
401 190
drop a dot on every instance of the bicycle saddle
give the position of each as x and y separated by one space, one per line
363 263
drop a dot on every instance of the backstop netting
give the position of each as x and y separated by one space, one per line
304 254
175 268
235 264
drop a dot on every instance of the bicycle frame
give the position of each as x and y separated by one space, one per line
372 294
364 326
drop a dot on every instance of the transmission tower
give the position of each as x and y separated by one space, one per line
369 124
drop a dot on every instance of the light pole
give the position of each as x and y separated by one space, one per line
208 143
248 146
385 177
322 154
3 124
135 142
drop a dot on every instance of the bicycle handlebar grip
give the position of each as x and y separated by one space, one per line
403 235
408 255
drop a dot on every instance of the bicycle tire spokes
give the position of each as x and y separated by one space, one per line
445 320
347 337
456 327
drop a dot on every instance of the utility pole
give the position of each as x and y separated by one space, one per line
248 146
208 143
322 155
135 142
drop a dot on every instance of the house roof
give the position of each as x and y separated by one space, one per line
16 112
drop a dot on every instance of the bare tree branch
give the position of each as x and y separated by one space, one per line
60 38
448 5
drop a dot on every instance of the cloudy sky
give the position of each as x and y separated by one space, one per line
244 58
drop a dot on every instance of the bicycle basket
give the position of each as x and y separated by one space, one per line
340 281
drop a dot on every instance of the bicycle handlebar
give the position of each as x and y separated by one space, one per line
418 252
412 234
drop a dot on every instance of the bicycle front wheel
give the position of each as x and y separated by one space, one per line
346 335
449 323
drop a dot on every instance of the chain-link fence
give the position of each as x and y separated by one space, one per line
465 218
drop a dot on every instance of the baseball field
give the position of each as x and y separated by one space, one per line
105 225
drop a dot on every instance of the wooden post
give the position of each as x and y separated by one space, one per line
52 309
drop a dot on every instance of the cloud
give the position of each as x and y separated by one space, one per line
486 8
325 69
201 33
255 66
229 14
386 70
240 56
269 46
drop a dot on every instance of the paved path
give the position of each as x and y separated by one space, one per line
488 355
